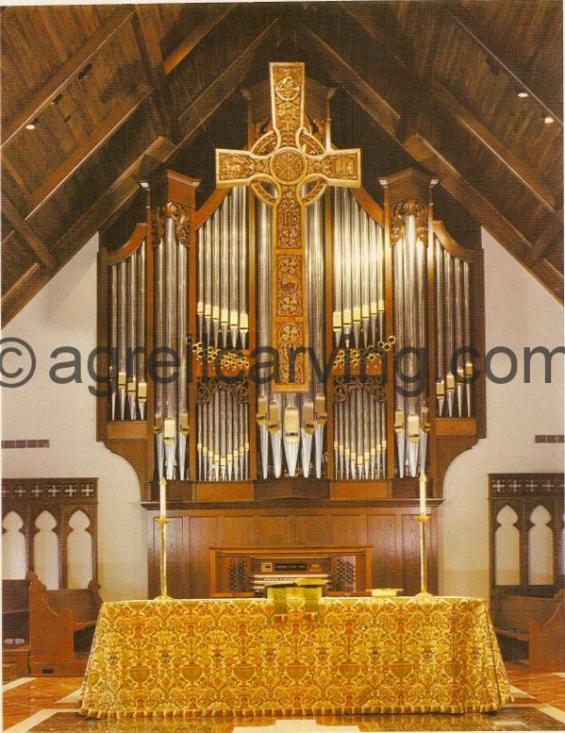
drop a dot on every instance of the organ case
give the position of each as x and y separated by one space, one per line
394 328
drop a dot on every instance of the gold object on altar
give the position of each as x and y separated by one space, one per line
308 590
385 592
278 167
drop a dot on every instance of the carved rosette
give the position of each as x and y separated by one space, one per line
172 210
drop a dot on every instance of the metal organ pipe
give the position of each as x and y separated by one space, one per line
222 414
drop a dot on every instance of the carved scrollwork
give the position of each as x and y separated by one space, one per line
206 388
406 208
172 210
289 285
373 386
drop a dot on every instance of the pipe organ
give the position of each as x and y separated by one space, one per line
290 331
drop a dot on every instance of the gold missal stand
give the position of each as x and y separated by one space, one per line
163 521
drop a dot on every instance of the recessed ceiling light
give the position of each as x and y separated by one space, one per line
522 94
31 125
548 119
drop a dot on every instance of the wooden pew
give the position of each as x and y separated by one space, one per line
61 627
547 641
15 625
524 623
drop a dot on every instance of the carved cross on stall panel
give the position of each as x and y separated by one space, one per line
288 168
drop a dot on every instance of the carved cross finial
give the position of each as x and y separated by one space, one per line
297 167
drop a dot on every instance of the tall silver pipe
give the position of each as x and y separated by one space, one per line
182 333
113 362
449 327
141 381
399 306
171 336
467 336
243 311
460 375
131 290
347 261
367 274
216 278
234 249
440 366
122 337
356 268
337 324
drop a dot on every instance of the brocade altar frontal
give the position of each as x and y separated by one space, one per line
237 657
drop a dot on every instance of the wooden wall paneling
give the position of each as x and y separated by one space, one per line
311 529
203 535
273 530
237 530
392 531
409 530
386 554
348 529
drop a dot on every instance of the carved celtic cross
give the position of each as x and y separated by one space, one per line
288 169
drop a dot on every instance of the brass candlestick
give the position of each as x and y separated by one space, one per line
422 519
163 521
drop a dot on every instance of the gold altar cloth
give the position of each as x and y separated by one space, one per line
235 657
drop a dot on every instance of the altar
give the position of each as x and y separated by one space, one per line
228 657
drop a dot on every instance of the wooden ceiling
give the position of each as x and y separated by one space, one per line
115 91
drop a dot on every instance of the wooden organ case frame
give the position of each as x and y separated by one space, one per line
247 464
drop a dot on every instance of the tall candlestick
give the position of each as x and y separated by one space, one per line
423 484
163 497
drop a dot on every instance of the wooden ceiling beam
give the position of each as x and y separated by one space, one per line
86 150
498 50
63 77
196 36
126 186
27 233
149 47
427 150
549 235
450 105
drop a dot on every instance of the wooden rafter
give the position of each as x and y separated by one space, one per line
125 187
549 235
144 25
452 106
86 150
195 36
427 149
27 233
57 83
498 51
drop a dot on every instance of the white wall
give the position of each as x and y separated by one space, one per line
519 313
64 313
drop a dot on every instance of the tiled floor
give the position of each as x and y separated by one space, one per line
50 704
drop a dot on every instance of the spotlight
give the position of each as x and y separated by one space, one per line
548 119
522 94
31 125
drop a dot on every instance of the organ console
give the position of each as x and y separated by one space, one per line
290 330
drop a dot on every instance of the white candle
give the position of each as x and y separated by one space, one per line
163 497
423 482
